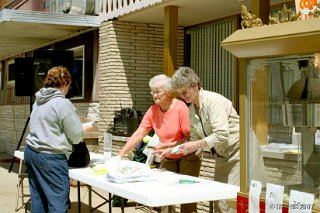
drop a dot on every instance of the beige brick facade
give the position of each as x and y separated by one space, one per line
130 54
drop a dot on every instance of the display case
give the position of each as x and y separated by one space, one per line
279 85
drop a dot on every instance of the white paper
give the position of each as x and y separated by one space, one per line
254 196
89 123
175 149
274 198
113 164
126 171
300 202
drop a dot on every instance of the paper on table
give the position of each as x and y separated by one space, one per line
149 149
113 164
300 202
254 196
129 171
154 141
99 169
274 198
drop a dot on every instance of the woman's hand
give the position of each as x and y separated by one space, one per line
121 153
161 153
133 141
188 147
88 126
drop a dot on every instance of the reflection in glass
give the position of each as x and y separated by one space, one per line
284 118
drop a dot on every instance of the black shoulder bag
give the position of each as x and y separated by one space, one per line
80 157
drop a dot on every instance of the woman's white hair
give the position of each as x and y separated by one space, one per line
161 81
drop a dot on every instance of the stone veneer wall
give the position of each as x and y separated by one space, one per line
130 55
14 117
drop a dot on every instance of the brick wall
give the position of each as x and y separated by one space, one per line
130 54
12 121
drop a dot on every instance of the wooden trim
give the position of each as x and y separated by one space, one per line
261 8
275 40
237 23
243 128
211 22
170 39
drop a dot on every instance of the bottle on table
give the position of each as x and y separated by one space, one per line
107 146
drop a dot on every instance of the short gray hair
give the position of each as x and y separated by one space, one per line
162 81
185 76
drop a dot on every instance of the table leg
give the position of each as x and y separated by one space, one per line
211 206
79 203
122 205
90 198
110 203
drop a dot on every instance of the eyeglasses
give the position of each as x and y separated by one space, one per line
184 92
158 93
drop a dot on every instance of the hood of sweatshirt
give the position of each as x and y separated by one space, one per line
46 94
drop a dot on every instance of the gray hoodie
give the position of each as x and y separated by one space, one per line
54 123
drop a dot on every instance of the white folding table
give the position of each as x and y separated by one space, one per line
22 175
164 191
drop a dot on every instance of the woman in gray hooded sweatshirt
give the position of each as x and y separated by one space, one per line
54 127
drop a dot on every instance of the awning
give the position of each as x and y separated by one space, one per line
22 31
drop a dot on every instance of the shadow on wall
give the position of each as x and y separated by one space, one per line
6 160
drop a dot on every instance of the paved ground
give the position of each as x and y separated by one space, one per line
8 186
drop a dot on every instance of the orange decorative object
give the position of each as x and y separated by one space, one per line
307 4
306 7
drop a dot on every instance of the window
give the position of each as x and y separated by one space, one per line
10 73
214 65
77 87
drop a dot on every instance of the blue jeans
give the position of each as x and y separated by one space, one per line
48 181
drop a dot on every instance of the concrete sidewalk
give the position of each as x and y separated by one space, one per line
9 181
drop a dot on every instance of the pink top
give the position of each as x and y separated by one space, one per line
169 126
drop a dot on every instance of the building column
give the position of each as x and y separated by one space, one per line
170 40
261 8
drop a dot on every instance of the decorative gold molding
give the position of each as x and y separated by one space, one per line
296 37
283 16
249 20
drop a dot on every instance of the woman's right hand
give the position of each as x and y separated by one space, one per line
87 126
121 153
161 153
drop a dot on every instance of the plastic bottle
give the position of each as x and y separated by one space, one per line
107 146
